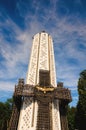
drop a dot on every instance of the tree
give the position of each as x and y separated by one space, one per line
80 119
5 112
71 117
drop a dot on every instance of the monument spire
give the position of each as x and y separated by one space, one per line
39 104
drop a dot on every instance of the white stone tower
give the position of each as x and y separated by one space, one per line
42 58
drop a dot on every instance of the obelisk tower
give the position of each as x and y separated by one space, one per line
42 58
40 104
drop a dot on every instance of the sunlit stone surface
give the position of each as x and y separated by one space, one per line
42 57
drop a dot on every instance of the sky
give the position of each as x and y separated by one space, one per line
20 20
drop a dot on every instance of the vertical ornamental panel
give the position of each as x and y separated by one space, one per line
32 72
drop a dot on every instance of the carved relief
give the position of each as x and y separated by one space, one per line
52 63
43 54
31 76
26 113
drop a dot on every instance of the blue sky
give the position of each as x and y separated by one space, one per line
64 20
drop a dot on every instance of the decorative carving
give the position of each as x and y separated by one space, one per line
45 89
56 115
32 72
52 63
26 112
43 52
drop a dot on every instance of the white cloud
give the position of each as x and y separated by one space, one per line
14 54
7 86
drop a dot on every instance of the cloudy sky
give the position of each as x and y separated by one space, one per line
64 20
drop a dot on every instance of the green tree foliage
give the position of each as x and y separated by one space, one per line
71 117
81 106
5 112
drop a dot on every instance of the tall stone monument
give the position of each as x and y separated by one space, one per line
40 104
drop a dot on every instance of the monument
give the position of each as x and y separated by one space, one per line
39 103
